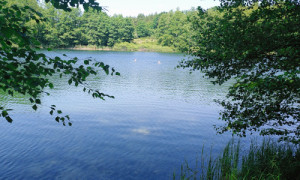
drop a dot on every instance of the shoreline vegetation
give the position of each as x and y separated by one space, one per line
138 45
94 30
266 160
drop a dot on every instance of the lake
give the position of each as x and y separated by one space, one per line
160 117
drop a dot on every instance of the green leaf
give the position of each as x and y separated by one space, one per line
38 101
26 71
31 100
51 85
8 119
59 111
4 113
34 107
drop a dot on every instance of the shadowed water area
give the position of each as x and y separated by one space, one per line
160 117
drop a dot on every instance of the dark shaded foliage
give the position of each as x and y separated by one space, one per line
25 71
259 46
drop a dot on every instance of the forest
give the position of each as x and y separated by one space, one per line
77 28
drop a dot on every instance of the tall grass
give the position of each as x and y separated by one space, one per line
142 44
268 160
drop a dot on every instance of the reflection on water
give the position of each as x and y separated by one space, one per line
160 116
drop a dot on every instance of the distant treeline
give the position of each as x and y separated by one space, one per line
91 28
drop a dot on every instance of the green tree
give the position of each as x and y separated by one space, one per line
180 30
27 72
257 44
91 27
142 29
143 25
127 30
95 27
163 27
47 31
173 30
67 4
67 27
120 30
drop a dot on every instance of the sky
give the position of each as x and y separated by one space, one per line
146 7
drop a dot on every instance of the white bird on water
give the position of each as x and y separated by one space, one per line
158 62
134 60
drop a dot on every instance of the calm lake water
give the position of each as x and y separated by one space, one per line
160 117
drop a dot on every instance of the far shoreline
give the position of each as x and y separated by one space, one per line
137 45
86 48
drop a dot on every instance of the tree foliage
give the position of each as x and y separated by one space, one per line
75 28
67 4
174 29
25 71
95 28
257 44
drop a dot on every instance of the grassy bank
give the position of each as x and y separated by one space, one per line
141 44
269 160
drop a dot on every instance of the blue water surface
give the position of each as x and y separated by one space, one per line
160 117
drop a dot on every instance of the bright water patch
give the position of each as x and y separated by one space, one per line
160 116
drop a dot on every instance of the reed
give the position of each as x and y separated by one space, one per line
267 160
